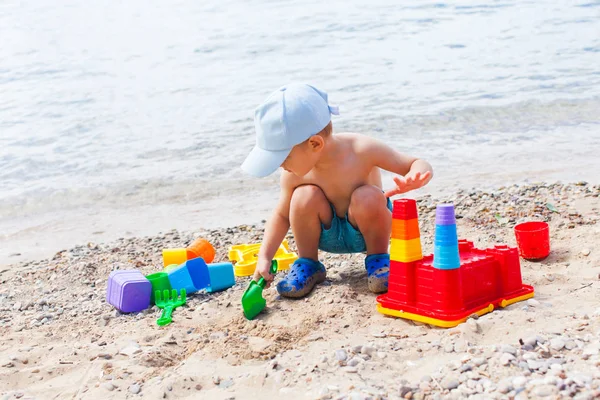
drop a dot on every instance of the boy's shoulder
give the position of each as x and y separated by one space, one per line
358 141
351 135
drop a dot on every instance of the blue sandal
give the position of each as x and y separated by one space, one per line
304 274
378 271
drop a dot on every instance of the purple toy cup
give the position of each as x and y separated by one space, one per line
444 214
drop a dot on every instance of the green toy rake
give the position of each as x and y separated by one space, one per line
168 301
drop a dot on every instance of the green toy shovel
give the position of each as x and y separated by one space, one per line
252 301
168 304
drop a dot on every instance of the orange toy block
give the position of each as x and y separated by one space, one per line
405 229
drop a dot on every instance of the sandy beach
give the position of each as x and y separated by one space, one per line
123 126
60 339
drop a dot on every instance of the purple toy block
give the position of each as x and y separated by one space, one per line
128 291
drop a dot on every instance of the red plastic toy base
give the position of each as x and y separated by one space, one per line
445 320
486 279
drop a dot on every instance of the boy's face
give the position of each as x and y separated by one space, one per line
304 156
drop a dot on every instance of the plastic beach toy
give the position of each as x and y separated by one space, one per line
179 277
445 252
174 256
245 257
128 291
160 282
533 240
199 248
198 271
168 302
406 238
221 276
252 301
456 282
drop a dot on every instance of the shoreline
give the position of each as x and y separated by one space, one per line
62 339
26 237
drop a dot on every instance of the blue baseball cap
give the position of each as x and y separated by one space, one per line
288 117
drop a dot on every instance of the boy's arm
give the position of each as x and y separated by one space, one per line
276 228
414 172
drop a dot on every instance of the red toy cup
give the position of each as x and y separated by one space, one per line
533 239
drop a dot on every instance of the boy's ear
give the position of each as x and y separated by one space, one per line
316 142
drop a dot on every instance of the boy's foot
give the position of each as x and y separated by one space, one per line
378 271
304 274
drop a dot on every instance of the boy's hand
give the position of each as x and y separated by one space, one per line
263 268
407 183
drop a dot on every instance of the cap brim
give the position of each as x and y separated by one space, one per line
261 163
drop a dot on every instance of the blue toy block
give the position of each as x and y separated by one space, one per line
446 257
180 278
446 235
221 276
199 273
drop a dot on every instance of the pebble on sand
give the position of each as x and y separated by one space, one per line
519 382
506 358
479 361
108 386
341 355
450 383
354 362
557 344
135 388
131 349
504 387
507 348
531 341
544 390
368 350
226 384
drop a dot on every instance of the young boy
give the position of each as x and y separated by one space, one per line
331 192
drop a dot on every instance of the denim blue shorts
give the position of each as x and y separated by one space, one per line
342 237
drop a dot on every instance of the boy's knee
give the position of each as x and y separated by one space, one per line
367 199
307 197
